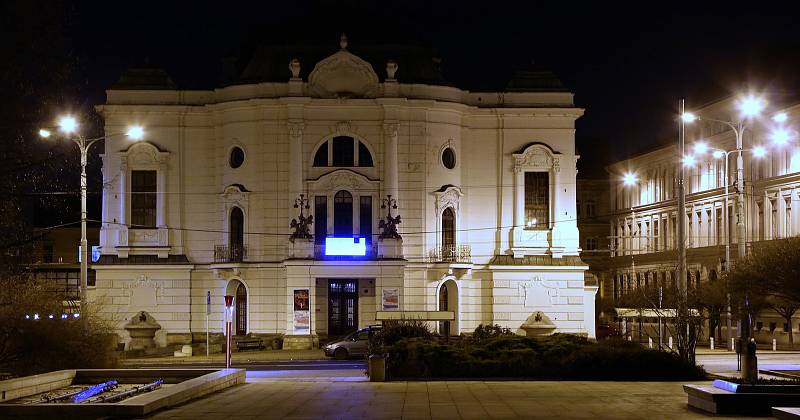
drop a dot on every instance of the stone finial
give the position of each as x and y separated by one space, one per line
391 69
343 41
294 67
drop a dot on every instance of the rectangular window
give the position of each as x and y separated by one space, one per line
143 199
343 151
720 228
365 217
656 236
537 200
320 218
590 208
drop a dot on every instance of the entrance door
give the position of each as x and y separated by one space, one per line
241 310
342 306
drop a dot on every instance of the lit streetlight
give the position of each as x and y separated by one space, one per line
68 125
629 179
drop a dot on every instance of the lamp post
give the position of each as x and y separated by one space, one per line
749 108
68 126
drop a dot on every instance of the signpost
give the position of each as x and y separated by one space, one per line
208 312
228 332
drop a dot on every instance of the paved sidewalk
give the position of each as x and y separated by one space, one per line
445 400
245 356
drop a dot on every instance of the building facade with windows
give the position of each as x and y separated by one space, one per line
643 223
327 189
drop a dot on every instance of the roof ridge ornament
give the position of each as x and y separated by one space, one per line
343 41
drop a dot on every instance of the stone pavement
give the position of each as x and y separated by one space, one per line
245 356
441 399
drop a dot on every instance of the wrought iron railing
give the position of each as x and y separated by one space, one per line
225 253
451 254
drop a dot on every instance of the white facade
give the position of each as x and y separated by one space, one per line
463 228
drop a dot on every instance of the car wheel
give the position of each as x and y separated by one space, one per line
340 354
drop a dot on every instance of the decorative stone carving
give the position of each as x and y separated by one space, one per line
301 225
343 41
343 75
294 67
537 294
390 129
344 127
448 196
295 129
388 226
343 179
391 69
144 155
143 292
142 328
537 157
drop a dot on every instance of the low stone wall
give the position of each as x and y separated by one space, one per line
29 385
188 384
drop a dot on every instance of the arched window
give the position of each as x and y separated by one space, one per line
448 233
345 151
343 214
236 235
241 310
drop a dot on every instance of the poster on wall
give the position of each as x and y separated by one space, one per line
391 298
302 314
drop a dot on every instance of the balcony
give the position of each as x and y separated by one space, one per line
450 254
228 254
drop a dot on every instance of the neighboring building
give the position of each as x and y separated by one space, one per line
643 223
484 183
55 260
592 209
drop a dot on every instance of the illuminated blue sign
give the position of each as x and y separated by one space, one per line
346 246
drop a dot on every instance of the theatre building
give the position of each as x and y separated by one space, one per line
328 188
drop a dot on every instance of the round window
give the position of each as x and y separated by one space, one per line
449 158
237 157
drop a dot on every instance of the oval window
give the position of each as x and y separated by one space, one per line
237 157
449 158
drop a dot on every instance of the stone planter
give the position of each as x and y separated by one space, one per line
301 248
390 248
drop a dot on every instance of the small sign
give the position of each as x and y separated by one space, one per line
208 302
390 298
346 246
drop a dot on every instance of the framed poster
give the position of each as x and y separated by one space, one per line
390 298
302 313
300 299
302 321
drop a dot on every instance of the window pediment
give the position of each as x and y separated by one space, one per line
343 74
343 179
535 157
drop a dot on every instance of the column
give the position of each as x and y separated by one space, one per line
122 228
161 205
295 159
390 175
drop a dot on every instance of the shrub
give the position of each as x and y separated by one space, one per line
485 332
395 330
561 356
30 346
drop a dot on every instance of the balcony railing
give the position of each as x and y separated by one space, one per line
225 253
450 254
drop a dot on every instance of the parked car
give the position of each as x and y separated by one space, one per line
355 344
607 331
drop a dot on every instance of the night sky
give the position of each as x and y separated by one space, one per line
628 65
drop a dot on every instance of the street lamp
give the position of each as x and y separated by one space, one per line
68 126
758 152
749 107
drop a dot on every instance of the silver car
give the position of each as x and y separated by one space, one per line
355 344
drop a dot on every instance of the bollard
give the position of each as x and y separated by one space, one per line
774 345
733 344
711 343
650 342
670 342
629 338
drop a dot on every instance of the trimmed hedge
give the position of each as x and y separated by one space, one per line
560 356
